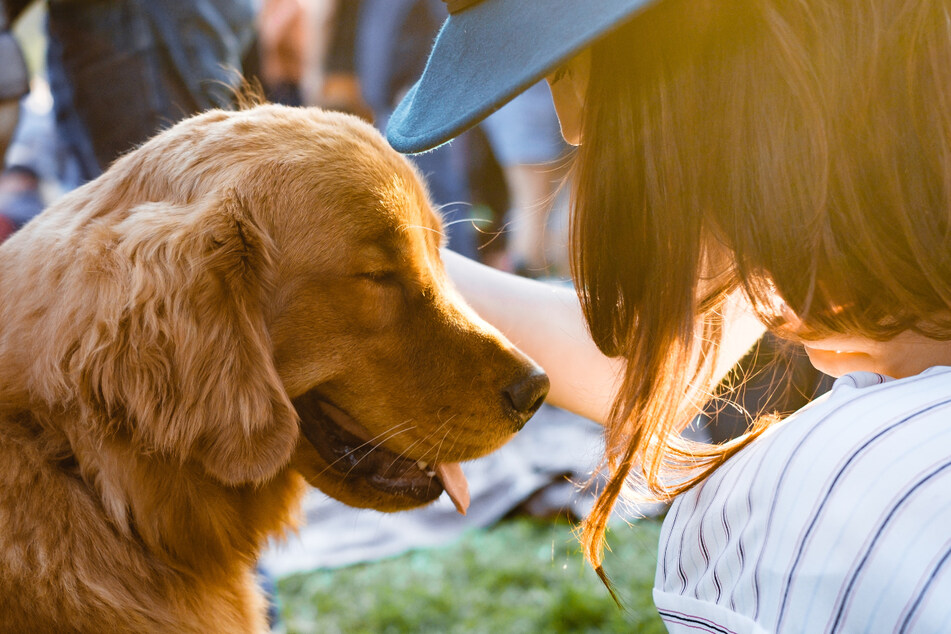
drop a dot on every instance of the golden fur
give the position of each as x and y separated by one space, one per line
158 327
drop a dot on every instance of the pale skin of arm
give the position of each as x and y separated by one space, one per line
544 321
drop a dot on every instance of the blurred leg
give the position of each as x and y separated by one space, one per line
532 189
526 140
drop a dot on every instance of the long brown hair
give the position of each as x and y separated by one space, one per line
784 148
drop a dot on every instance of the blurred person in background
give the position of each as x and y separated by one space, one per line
391 44
121 70
115 73
14 80
338 86
526 141
15 185
285 30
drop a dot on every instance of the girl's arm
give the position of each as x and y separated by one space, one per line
545 322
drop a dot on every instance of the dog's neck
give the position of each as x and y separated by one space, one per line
176 513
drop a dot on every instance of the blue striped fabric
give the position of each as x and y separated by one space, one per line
836 520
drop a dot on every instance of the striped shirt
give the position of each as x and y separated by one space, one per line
837 519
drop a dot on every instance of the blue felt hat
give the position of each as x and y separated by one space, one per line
489 51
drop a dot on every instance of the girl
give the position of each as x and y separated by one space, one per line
793 156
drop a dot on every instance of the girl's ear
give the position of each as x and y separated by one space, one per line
180 354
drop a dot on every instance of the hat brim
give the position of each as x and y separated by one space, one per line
487 54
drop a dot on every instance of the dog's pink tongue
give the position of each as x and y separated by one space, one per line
455 483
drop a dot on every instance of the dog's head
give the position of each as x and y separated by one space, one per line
266 289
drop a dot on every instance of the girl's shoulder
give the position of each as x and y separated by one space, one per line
863 412
836 518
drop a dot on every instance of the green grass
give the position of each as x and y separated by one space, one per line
522 575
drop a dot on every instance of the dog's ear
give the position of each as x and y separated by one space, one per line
180 355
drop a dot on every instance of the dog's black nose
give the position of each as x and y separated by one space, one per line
527 394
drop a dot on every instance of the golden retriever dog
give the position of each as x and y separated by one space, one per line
249 301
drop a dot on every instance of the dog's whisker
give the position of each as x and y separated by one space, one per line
452 443
474 221
428 436
442 442
461 203
376 440
424 228
385 435
439 428
403 454
421 440
496 235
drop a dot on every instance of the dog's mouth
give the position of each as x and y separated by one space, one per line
354 454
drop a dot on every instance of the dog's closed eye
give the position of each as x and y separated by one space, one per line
380 277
